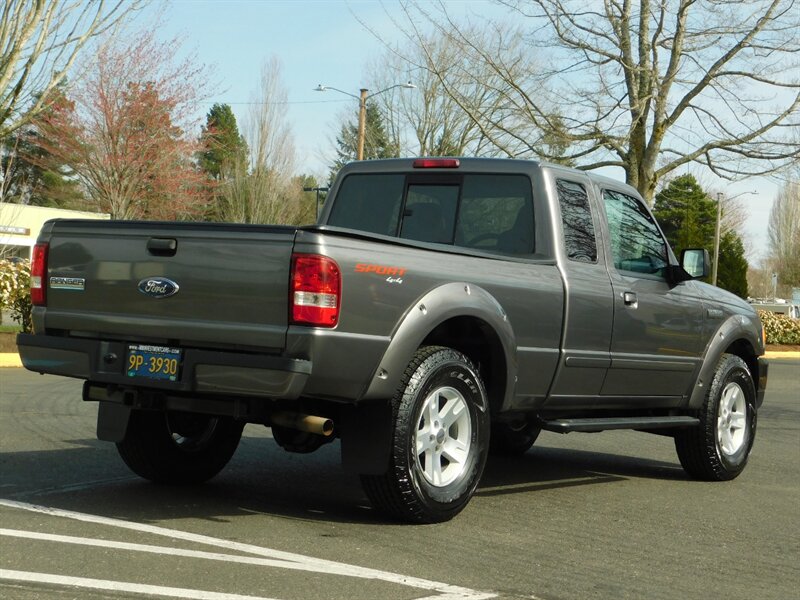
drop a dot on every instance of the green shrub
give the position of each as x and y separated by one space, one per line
780 329
15 292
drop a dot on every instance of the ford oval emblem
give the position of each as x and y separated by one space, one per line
158 287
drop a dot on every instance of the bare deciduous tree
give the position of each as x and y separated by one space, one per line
39 42
264 190
462 105
428 121
123 133
784 234
647 86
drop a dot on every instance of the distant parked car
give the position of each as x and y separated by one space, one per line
779 308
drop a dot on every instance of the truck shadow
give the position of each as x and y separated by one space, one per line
263 479
544 468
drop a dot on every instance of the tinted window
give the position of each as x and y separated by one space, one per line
496 214
636 243
369 203
488 212
576 217
430 213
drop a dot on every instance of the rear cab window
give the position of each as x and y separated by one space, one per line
576 221
487 212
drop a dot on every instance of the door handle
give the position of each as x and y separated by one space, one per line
630 299
162 246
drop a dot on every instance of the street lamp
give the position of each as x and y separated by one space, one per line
318 190
362 108
716 231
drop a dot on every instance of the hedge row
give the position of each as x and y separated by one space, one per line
780 329
15 293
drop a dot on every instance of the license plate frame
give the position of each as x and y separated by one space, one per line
161 363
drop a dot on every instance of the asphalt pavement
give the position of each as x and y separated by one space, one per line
607 515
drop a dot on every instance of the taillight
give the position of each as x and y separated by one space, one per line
437 163
316 292
39 275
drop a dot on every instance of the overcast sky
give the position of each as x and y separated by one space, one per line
322 41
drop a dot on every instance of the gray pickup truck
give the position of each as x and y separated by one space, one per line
440 309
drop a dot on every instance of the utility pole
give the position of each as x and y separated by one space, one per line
716 240
362 108
362 123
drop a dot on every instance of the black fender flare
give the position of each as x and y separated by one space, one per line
451 300
734 328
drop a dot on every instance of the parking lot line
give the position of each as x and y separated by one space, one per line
165 550
120 586
282 559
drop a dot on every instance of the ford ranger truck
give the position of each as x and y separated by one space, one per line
439 310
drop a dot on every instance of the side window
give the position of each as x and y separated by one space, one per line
496 214
576 217
636 243
369 203
430 213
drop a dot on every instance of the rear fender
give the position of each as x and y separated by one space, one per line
437 306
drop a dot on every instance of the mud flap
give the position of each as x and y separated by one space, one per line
112 421
366 434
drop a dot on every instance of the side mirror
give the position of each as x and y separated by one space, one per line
696 262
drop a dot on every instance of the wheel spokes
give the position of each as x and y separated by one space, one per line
455 451
738 420
443 434
731 419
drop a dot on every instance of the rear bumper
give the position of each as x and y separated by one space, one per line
203 371
761 384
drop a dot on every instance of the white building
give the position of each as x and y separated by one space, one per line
20 225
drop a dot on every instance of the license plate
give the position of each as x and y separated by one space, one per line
154 362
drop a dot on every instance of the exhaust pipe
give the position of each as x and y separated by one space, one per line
308 423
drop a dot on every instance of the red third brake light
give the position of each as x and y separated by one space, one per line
39 275
316 290
437 163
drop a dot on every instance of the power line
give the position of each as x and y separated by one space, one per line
276 103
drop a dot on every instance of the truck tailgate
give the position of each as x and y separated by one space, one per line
232 282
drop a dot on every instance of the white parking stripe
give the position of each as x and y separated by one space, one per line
120 586
443 591
166 550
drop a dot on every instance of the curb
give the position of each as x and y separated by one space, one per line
10 359
789 354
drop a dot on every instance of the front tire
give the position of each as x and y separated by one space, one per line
440 439
178 448
718 449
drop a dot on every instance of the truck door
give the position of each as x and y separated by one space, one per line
589 301
656 343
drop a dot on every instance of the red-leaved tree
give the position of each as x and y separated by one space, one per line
123 131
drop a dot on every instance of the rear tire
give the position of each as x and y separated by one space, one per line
513 439
440 439
718 449
178 448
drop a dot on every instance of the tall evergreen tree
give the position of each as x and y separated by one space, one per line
732 271
223 146
688 218
686 214
377 142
